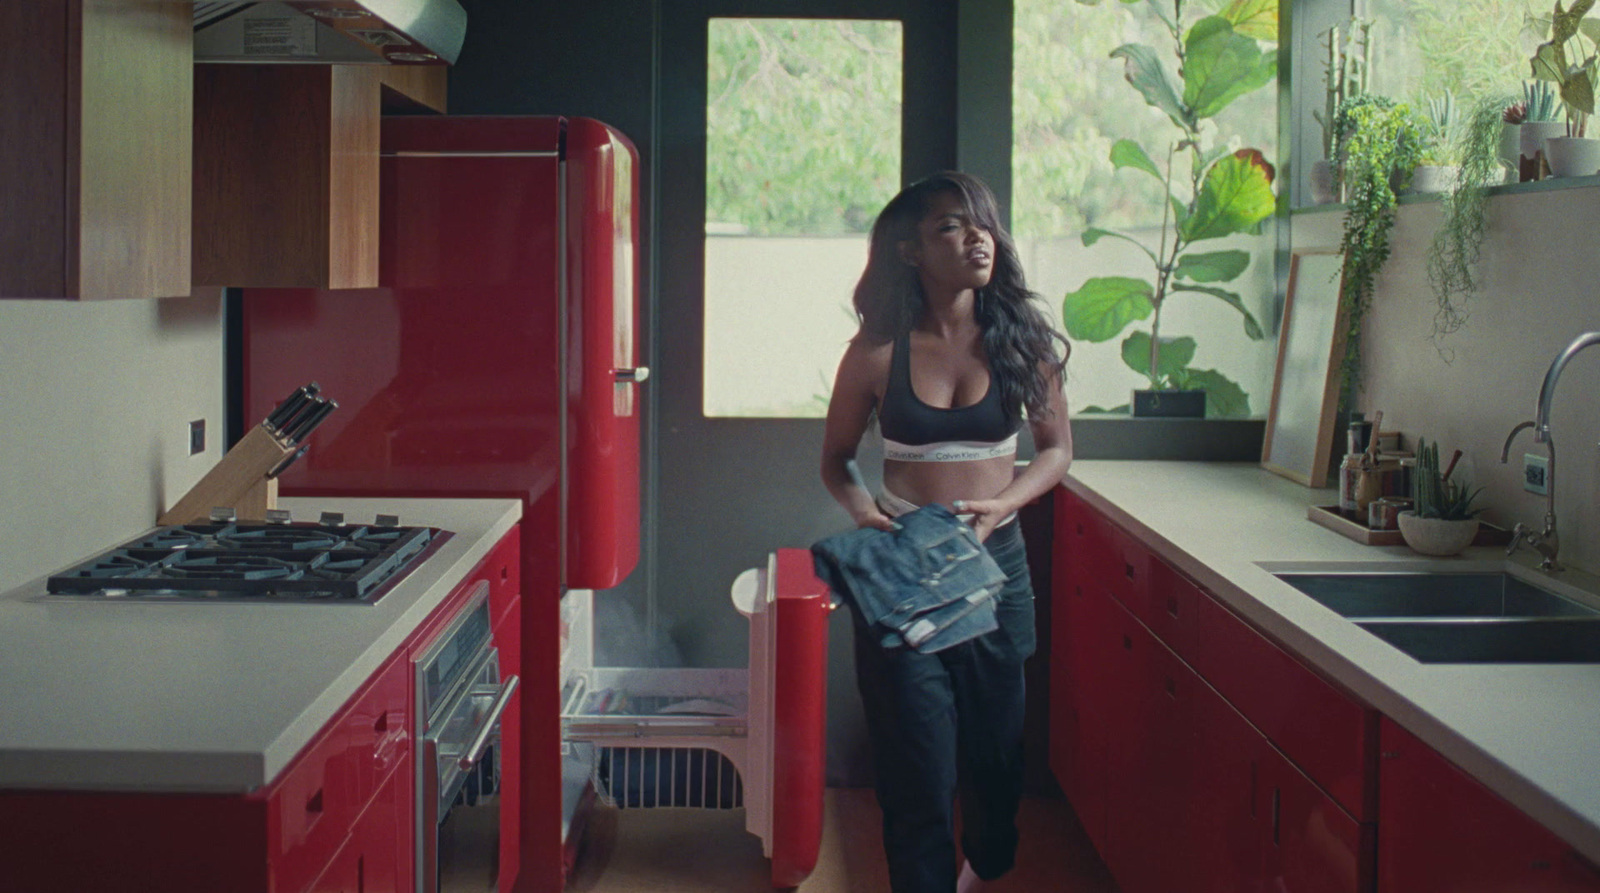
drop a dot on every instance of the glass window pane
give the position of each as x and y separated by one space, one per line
1071 105
802 150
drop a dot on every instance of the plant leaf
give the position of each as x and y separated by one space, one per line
1143 70
1176 354
1224 398
1221 64
1215 266
1104 306
1254 18
1549 62
1251 328
1127 153
1094 234
1577 92
1235 196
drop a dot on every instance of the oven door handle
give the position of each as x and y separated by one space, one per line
480 741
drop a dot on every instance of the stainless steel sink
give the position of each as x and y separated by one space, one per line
1431 594
1545 640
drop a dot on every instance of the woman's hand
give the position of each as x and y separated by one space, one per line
875 519
986 514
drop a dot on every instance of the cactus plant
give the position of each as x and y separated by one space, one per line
1433 495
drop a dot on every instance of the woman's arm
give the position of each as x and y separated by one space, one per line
849 410
1052 441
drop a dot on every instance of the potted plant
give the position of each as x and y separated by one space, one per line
1344 74
1537 117
1453 254
1213 193
1379 143
1567 59
1438 167
1442 520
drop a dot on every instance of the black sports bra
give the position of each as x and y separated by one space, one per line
905 419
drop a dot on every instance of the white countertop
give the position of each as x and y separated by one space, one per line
173 696
1529 732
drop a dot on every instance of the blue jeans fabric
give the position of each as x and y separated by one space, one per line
928 584
946 723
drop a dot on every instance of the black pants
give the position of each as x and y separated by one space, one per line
951 721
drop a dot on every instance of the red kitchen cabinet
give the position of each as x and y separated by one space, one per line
1178 788
376 856
504 572
1442 831
340 817
1078 667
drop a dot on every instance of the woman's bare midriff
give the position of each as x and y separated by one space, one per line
925 482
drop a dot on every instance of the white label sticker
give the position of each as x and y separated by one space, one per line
291 35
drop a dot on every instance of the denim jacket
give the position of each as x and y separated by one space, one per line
928 584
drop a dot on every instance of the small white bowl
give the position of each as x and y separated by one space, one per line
1436 536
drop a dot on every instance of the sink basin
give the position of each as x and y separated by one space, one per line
1418 594
1564 640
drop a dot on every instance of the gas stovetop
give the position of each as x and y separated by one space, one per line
237 561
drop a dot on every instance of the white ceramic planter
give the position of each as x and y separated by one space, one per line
1533 134
1572 156
1434 178
1435 536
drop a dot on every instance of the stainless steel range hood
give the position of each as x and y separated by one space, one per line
329 31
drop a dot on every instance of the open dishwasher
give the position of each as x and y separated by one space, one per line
639 737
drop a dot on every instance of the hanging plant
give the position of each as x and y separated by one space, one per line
1380 142
1453 255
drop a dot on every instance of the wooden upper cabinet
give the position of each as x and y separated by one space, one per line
286 170
95 143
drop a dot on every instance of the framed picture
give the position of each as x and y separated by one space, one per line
1305 389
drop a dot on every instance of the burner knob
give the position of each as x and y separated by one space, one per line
387 521
279 516
223 514
332 519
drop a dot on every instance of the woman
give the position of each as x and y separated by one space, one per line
951 351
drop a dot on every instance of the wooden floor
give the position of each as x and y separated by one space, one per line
708 851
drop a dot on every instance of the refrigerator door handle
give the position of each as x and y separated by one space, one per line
635 375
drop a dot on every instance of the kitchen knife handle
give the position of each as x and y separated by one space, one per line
635 375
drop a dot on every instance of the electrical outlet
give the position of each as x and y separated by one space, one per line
1535 474
197 437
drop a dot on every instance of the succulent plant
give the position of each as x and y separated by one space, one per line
1435 496
1539 101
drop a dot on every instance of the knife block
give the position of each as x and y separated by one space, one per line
239 482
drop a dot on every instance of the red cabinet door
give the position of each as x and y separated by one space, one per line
1442 831
1080 634
1312 845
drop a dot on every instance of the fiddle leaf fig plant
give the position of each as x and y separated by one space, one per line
1212 192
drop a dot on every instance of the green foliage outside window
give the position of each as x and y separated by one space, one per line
802 139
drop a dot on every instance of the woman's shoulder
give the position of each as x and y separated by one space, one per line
867 359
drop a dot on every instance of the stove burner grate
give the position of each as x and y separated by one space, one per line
253 562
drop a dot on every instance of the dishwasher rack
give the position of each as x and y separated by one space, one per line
750 738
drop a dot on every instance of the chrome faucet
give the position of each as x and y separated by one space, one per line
1546 541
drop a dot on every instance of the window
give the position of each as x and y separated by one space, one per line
1071 104
802 151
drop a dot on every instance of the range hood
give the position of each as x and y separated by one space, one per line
425 32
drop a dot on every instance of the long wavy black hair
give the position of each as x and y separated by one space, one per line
1018 339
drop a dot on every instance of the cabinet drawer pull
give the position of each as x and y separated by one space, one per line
1172 688
1128 569
1127 643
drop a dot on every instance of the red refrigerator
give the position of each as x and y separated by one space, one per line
499 359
